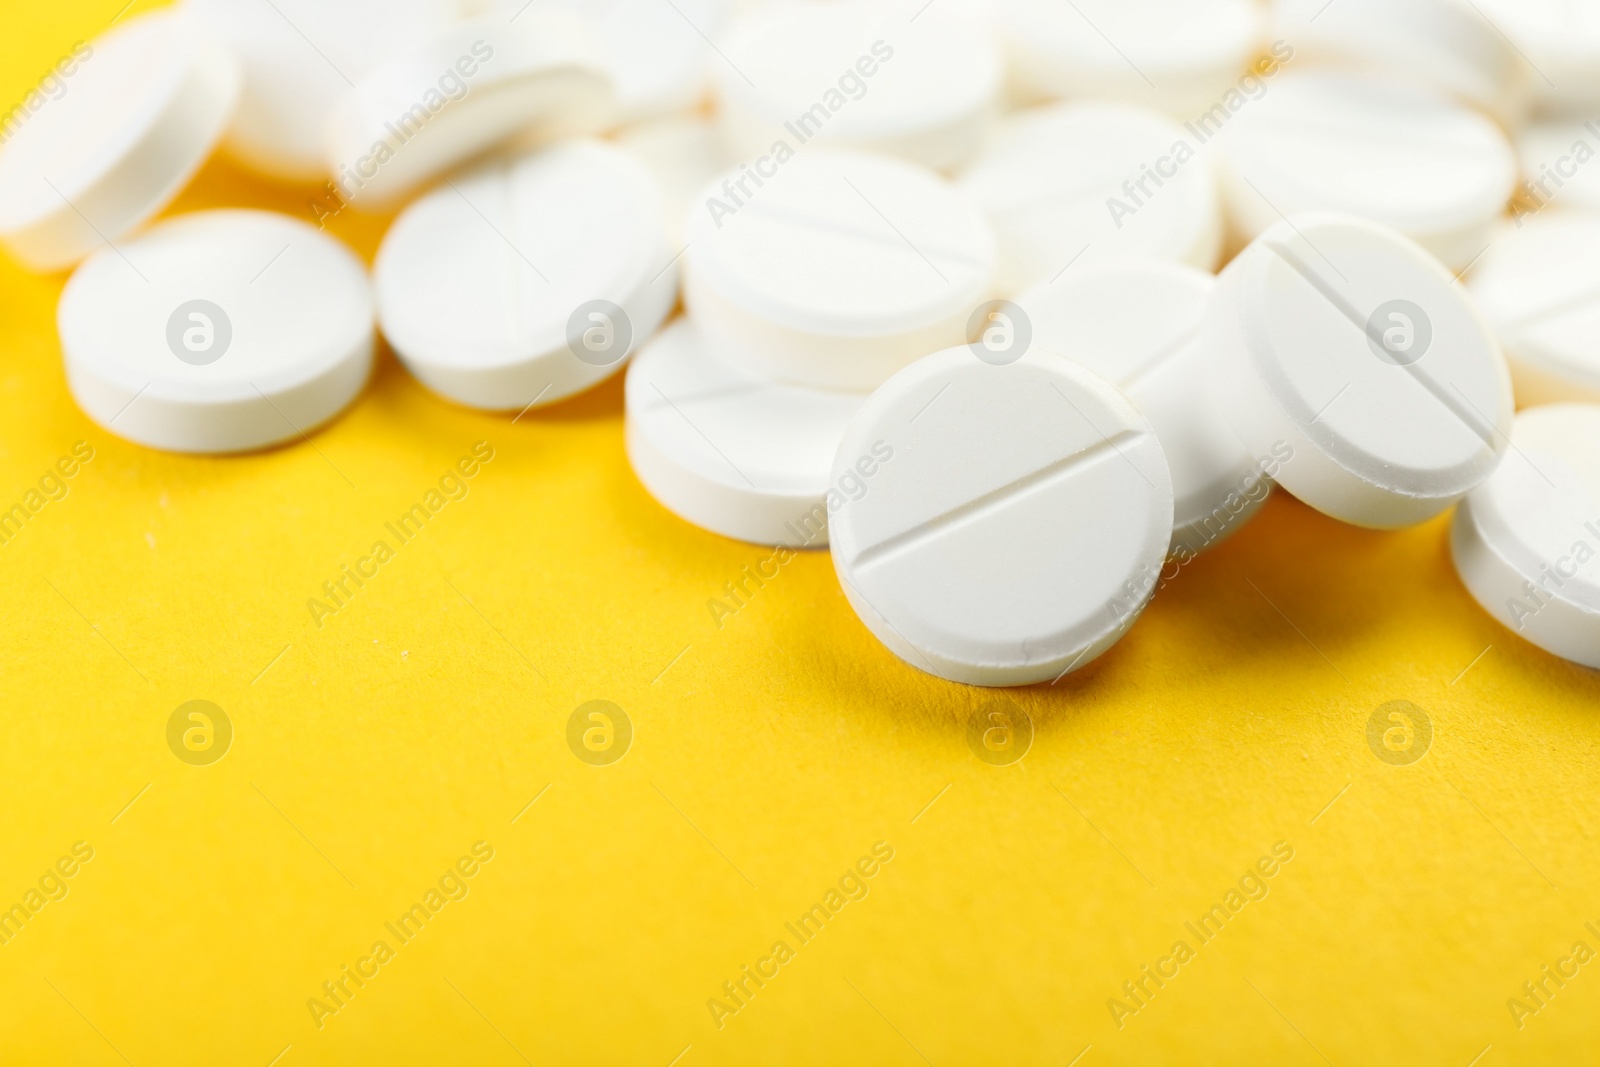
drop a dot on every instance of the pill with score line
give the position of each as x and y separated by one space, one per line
1021 526
1351 345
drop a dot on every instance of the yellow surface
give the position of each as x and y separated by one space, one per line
770 754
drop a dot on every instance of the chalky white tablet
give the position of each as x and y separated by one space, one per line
1138 326
527 280
1526 543
1179 56
540 75
219 331
879 74
141 115
299 57
1020 527
834 269
1560 163
1539 288
1444 43
684 153
1404 156
734 453
1075 185
1350 361
1560 39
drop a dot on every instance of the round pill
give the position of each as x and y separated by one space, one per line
684 153
1526 543
1138 325
540 75
1355 370
1075 185
219 331
527 280
1444 43
1560 164
298 58
832 268
1398 154
1560 39
1539 288
1019 525
144 110
1178 56
733 453
920 84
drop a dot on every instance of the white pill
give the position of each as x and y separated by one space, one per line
1401 155
529 280
1019 525
1355 370
1560 164
541 76
1178 56
733 453
1526 543
1076 185
920 84
219 331
141 114
834 269
684 153
1447 44
298 58
1539 287
1138 326
1560 39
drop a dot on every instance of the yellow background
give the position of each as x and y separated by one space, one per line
769 755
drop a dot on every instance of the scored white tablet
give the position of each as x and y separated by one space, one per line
734 453
539 75
527 280
834 268
140 116
1539 287
1407 157
1020 527
1180 56
1346 348
1526 543
1139 326
1074 185
904 77
220 331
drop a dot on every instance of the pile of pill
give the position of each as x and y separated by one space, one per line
1009 304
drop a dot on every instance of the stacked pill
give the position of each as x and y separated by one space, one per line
1013 307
